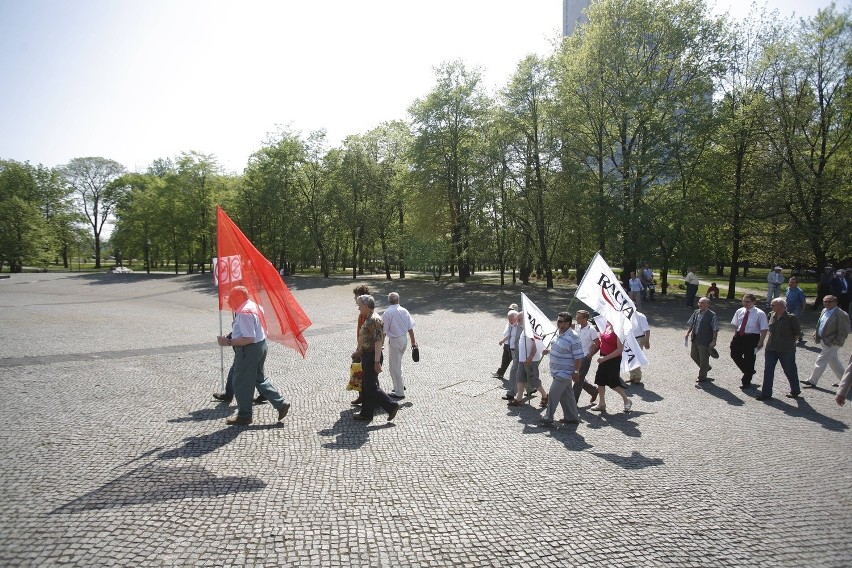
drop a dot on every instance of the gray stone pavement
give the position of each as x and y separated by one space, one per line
115 454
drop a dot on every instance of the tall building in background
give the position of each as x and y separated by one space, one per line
572 14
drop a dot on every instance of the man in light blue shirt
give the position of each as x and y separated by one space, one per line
566 357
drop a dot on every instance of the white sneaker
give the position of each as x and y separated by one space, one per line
598 408
628 404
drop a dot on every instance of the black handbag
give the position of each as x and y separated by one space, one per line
415 354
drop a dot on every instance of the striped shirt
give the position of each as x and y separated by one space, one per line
564 351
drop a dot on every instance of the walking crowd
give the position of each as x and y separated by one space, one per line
572 350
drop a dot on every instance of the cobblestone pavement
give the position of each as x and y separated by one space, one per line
114 452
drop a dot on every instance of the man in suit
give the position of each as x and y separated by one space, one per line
702 330
831 332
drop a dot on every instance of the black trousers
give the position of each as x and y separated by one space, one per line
506 361
742 352
372 394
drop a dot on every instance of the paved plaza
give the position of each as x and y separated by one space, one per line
115 454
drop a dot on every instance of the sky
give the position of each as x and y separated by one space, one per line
138 80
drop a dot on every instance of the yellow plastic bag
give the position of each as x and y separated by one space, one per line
356 375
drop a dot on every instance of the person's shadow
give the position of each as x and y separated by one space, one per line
634 461
802 409
222 410
644 393
350 434
726 395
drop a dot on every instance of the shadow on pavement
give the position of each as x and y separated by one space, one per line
196 446
346 435
620 421
221 410
719 392
634 461
801 409
155 483
643 392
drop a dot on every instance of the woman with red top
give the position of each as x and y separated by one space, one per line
362 290
609 369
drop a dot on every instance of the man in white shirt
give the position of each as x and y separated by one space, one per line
773 285
591 344
642 331
248 338
751 326
398 327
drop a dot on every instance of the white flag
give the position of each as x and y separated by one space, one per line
602 291
536 324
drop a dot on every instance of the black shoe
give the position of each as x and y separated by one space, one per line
222 397
357 401
807 385
260 399
396 396
392 413
360 417
508 397
793 394
762 397
282 412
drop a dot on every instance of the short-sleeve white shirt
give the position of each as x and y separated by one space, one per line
396 321
587 336
756 323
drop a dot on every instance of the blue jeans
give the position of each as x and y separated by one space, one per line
788 364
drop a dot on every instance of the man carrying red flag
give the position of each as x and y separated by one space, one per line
263 307
248 338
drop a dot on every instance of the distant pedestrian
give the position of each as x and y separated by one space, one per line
609 369
636 289
773 284
691 281
840 289
831 332
796 300
703 327
751 326
647 277
784 330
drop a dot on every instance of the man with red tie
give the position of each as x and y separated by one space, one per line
751 327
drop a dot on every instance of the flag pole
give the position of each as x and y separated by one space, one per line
221 357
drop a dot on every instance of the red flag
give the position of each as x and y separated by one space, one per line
240 264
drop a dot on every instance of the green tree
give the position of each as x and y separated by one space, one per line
93 181
25 234
447 125
811 105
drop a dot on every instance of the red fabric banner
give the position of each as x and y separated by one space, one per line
241 264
